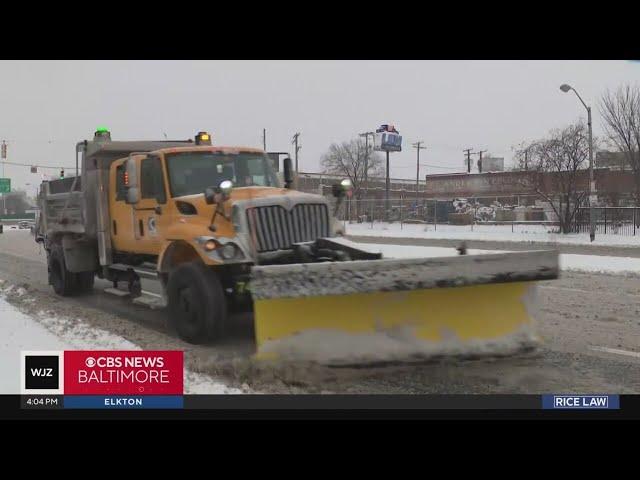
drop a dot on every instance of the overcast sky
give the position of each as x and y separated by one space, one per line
47 106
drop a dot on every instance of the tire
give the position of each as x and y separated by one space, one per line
64 282
84 281
61 279
197 304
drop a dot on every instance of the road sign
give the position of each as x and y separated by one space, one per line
5 185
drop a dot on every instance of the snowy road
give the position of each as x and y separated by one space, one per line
587 320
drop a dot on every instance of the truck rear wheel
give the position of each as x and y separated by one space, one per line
197 305
61 279
84 281
64 282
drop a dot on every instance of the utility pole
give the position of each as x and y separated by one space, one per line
264 139
366 158
468 152
297 148
418 146
480 160
4 159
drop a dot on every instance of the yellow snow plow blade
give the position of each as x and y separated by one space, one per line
399 310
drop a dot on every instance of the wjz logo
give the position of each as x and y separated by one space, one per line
42 372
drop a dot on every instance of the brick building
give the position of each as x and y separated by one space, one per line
614 187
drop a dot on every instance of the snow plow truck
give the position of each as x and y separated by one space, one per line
222 231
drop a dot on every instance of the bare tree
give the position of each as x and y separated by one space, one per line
620 111
348 159
556 170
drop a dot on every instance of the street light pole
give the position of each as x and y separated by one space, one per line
386 192
592 185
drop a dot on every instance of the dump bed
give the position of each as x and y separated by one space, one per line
61 206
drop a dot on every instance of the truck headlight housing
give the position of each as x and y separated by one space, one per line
229 251
210 245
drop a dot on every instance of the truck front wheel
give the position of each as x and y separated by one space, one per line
197 305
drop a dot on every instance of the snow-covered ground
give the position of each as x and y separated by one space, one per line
570 262
503 233
19 331
600 264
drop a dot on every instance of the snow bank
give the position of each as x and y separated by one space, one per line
569 262
600 264
20 332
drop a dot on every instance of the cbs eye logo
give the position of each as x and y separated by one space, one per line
90 362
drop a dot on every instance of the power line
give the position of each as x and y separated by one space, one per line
427 165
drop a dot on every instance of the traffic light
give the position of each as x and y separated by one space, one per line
61 174
4 149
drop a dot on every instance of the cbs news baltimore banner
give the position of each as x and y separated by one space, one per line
91 379
102 379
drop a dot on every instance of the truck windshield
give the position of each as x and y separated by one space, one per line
193 172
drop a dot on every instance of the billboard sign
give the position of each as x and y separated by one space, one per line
387 139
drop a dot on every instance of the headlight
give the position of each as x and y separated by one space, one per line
228 251
210 245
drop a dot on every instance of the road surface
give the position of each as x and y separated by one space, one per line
590 324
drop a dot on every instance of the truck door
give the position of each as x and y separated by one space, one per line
120 211
146 212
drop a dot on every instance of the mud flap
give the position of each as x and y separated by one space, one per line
399 310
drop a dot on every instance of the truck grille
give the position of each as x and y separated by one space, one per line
276 228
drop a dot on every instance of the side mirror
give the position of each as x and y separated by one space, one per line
133 191
288 172
218 194
339 189
225 187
